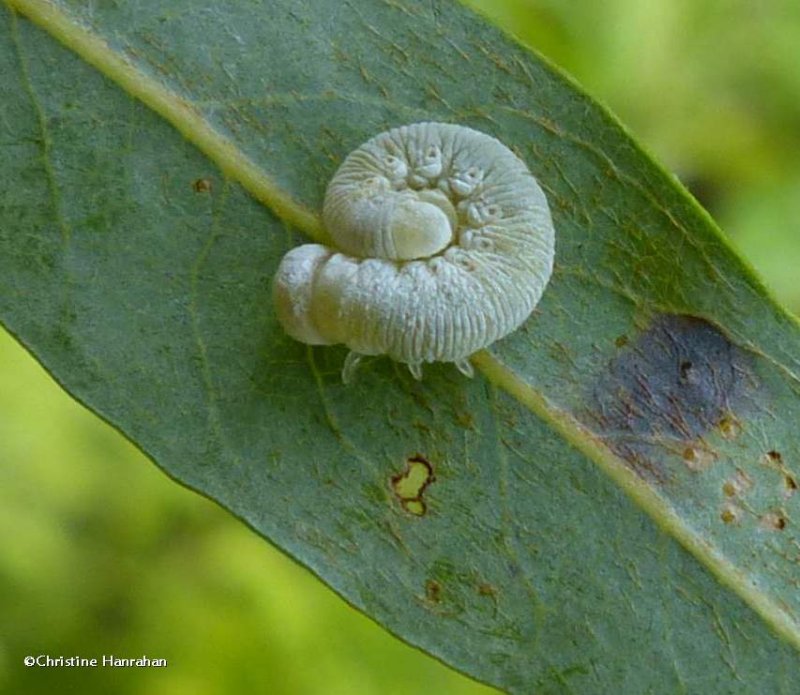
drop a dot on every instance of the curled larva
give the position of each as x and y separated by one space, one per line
443 244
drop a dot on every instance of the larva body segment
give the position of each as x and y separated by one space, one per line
444 244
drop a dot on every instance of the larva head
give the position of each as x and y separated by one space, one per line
292 292
376 207
420 225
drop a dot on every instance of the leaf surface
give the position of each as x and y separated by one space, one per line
610 506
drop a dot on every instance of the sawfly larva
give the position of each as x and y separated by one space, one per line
443 244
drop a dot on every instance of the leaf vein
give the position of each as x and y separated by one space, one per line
45 140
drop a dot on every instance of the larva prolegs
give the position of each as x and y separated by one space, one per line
350 366
465 367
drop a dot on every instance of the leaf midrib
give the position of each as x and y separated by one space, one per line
182 114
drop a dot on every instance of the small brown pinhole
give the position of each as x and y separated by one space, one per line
775 456
790 482
697 459
775 520
465 420
621 341
728 516
202 186
433 591
729 427
739 483
485 589
686 370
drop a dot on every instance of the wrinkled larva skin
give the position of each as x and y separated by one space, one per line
443 244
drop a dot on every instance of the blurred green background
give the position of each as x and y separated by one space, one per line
101 553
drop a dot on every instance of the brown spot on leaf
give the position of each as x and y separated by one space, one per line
433 591
738 484
730 427
681 379
730 514
486 589
410 485
775 456
775 520
465 420
202 186
697 458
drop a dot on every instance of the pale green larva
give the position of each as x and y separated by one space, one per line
443 244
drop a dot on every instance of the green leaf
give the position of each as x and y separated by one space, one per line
612 503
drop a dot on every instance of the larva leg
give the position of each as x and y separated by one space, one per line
465 367
350 366
416 370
